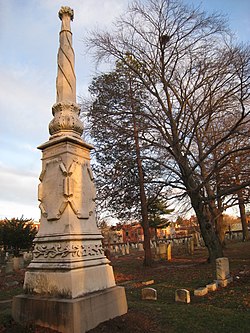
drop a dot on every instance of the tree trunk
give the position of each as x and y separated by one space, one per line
245 231
208 232
210 237
144 208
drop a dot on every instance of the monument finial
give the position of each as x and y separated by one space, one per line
66 10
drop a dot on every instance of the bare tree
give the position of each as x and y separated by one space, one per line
195 80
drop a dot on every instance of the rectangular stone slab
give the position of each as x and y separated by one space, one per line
77 315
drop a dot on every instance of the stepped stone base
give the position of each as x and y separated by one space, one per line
77 315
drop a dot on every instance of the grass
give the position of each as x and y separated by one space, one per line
226 310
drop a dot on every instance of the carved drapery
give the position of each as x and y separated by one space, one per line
74 187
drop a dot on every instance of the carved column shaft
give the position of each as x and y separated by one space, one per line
66 80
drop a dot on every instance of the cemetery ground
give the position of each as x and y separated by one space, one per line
225 310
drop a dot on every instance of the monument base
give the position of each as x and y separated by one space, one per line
77 315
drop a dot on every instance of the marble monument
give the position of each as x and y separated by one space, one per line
69 285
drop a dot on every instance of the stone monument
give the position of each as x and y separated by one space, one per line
69 285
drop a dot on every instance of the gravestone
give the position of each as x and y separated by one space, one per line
69 284
223 272
140 247
191 246
211 286
9 267
200 291
123 250
162 250
182 295
222 268
169 252
149 294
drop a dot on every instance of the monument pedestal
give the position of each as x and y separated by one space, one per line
77 315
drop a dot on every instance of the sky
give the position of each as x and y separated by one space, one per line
29 42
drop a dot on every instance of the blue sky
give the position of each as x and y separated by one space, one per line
29 42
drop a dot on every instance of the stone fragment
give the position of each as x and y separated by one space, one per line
182 295
149 294
211 286
147 283
200 291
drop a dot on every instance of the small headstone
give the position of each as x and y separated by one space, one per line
147 283
12 283
3 270
211 286
222 268
200 291
191 246
123 251
140 247
163 250
182 295
169 254
9 267
149 294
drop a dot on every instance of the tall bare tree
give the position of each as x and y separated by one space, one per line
195 79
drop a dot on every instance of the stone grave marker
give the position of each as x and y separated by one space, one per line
223 272
182 295
169 252
149 294
200 291
162 250
211 286
222 268
140 247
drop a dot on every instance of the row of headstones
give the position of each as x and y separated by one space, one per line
183 295
236 235
163 249
11 263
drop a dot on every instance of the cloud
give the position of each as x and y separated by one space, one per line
18 193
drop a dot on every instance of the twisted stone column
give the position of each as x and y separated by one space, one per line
66 112
66 80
